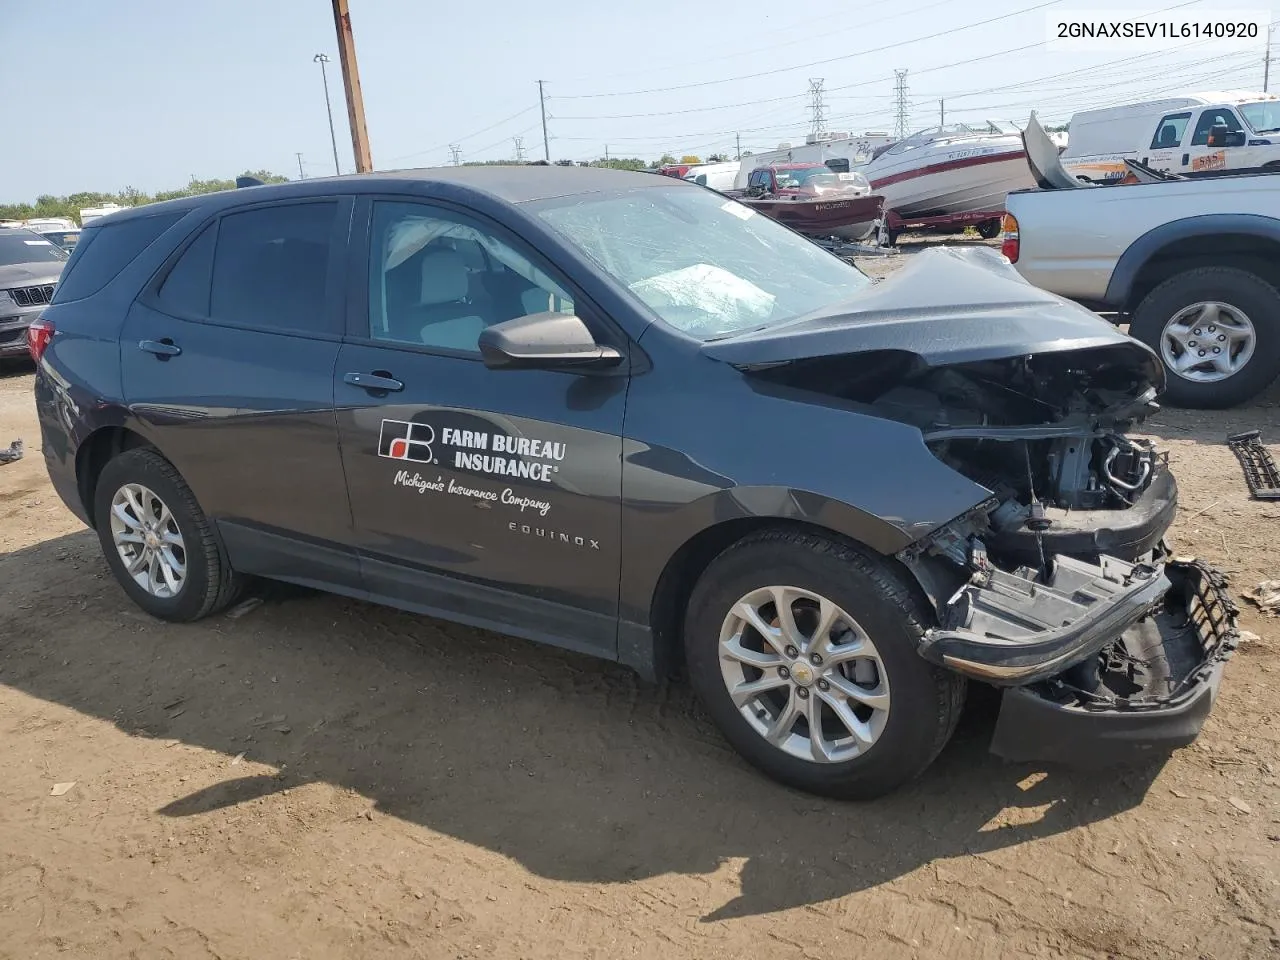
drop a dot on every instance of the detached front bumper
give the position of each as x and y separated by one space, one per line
1104 664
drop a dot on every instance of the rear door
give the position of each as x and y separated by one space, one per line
489 496
228 364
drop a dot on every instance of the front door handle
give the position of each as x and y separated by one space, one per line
164 349
380 381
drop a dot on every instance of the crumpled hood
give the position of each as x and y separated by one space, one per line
950 306
28 274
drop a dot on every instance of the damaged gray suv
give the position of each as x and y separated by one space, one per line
624 415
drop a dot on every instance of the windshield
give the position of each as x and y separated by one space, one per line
707 266
66 239
1264 117
24 246
808 177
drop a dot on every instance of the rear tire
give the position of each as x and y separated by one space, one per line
141 498
885 620
1237 289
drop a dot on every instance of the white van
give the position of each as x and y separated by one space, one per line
1202 133
717 176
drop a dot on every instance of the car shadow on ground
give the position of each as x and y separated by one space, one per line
570 766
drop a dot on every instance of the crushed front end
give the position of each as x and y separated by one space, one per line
1060 588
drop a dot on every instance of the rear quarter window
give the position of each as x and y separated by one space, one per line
103 251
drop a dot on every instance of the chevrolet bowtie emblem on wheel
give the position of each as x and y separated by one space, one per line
402 440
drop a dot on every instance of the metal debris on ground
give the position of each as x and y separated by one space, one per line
1266 595
1260 471
60 789
14 452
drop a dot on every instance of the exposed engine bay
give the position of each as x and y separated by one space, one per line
1059 587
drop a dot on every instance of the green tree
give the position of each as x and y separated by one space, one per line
47 205
621 163
665 160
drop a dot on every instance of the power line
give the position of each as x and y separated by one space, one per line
406 156
818 63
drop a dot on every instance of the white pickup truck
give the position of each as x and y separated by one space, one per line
1192 265
1204 134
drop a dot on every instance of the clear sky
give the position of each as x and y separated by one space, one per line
104 94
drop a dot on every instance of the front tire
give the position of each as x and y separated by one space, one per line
803 651
157 541
1190 316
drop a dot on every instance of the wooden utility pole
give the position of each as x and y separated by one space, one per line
351 81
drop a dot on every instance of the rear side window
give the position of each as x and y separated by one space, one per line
1169 131
103 251
270 267
185 291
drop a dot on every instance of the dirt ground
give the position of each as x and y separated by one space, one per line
323 778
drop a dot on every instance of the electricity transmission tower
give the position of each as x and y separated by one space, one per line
902 109
817 107
519 149
456 152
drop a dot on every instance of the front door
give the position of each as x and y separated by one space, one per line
488 496
1216 143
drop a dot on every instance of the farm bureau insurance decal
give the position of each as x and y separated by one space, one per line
475 451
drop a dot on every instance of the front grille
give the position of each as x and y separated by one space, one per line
32 296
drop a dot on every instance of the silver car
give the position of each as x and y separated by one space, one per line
29 269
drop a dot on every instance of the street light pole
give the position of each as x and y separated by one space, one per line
321 59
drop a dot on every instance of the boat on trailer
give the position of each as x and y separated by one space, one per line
950 177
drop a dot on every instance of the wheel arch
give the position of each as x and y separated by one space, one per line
1245 241
686 565
95 452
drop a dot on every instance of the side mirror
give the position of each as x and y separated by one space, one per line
543 340
1235 138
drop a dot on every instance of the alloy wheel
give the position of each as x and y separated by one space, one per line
146 535
803 674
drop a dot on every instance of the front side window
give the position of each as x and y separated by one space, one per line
437 279
707 266
1214 118
1170 130
271 265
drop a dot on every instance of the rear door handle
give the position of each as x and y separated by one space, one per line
373 381
164 349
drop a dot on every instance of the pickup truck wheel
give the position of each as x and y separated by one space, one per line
158 542
1217 331
803 650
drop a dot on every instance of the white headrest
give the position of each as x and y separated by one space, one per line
444 277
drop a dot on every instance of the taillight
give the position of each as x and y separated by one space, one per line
38 336
1010 246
